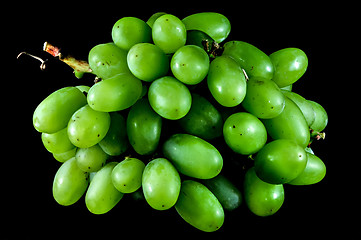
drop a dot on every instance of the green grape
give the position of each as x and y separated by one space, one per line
70 183
102 196
161 184
304 105
289 64
262 199
64 156
143 127
290 124
57 142
127 175
280 161
314 172
287 88
200 39
115 94
154 17
244 133
321 118
193 156
116 140
227 193
54 112
88 127
199 207
216 25
202 120
107 60
169 98
169 33
190 64
264 99
226 81
91 159
147 62
255 62
129 31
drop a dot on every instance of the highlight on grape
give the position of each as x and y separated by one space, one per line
177 114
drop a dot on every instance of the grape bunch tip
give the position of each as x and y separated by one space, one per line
182 117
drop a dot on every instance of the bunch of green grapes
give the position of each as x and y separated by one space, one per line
224 100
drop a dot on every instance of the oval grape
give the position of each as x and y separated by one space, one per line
193 156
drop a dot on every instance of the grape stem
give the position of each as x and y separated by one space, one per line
80 66
42 65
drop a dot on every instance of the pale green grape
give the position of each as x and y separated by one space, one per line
226 81
147 62
129 31
127 175
190 64
169 33
88 127
54 112
114 94
70 183
193 156
161 184
199 207
91 159
102 196
107 60
57 142
216 25
169 98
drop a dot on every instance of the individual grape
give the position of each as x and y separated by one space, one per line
116 140
216 25
161 184
147 62
70 183
264 99
57 142
91 159
102 196
54 112
84 89
304 105
289 64
321 117
226 81
199 207
255 62
88 127
115 94
262 199
107 60
129 31
62 157
154 17
244 133
169 98
169 33
226 192
314 171
193 156
127 175
290 124
143 127
190 64
203 119
280 161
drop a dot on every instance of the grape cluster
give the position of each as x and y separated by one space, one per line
174 106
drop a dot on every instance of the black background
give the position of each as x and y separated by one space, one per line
27 176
